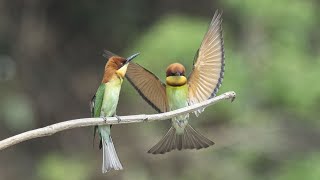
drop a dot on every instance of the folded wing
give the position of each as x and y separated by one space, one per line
208 66
148 86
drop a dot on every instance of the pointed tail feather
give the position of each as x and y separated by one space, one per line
110 157
190 139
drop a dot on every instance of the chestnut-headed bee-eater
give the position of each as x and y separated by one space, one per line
180 91
104 104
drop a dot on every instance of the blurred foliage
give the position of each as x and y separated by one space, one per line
308 168
17 112
55 166
271 131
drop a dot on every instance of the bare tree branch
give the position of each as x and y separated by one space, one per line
54 128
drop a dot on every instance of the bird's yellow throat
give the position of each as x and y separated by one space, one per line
122 71
176 80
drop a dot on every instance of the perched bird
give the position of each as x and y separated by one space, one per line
104 104
180 91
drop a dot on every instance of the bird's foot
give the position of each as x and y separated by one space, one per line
117 118
104 118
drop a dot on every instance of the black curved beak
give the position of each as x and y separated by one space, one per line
132 57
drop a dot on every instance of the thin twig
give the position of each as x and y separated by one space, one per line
54 128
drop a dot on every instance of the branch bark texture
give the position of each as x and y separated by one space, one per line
83 122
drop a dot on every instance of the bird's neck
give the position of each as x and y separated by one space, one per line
111 75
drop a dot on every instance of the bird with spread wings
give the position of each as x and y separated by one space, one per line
180 91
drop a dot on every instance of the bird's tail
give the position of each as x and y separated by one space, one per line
189 139
110 157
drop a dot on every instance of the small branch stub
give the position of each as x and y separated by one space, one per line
76 123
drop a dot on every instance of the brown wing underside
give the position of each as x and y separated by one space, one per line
208 69
148 86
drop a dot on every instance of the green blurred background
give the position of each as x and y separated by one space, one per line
51 64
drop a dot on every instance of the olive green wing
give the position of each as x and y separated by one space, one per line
96 104
149 86
208 67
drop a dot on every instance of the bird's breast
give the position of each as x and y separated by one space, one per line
111 98
177 96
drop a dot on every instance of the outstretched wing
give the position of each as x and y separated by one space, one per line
208 65
148 86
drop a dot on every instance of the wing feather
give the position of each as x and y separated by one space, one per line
149 86
92 102
208 65
95 106
98 99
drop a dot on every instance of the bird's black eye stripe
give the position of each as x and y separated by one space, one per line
176 74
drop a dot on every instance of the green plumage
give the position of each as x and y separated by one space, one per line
104 104
178 98
181 135
98 100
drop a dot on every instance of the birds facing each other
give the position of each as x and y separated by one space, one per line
104 104
179 91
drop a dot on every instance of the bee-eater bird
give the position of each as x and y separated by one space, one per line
104 104
180 91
